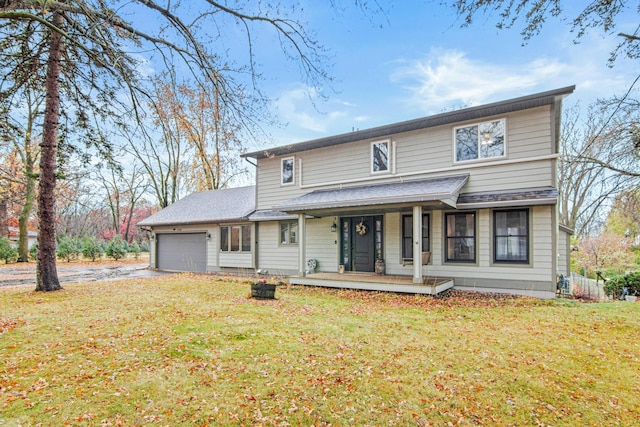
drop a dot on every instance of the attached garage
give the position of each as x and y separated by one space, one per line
182 252
187 233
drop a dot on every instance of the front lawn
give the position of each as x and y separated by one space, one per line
195 350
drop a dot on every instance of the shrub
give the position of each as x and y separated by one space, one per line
92 248
68 248
7 252
144 246
631 281
117 248
33 252
135 249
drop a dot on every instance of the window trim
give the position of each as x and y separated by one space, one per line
494 239
447 260
403 237
387 142
293 171
479 159
240 227
289 243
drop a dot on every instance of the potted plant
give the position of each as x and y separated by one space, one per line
263 290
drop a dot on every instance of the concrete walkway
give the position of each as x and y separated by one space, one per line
24 274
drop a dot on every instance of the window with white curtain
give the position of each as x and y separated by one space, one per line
511 236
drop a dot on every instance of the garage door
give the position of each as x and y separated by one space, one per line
182 252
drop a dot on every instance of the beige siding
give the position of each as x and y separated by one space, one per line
564 252
269 191
276 258
541 264
511 177
540 268
236 260
420 154
322 243
392 244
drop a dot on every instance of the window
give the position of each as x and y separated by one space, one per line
246 238
287 171
461 236
511 236
288 233
481 141
407 235
380 157
235 238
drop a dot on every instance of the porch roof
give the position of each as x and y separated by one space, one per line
443 190
524 197
270 215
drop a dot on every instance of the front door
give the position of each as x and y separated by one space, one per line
361 242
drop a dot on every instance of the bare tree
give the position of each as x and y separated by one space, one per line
96 44
161 152
601 16
123 189
586 185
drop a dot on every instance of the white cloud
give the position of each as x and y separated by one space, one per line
448 78
299 107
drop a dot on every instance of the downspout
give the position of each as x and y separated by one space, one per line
256 227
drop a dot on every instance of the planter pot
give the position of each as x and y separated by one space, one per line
630 298
380 267
263 290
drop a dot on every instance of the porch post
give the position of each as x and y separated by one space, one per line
302 243
417 244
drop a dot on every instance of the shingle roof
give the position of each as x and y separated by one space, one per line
472 113
270 215
229 204
444 189
529 196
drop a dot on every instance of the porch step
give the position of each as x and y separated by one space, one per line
401 284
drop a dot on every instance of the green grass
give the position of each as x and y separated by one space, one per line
195 350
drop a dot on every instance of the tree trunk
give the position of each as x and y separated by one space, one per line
4 217
25 213
23 222
47 275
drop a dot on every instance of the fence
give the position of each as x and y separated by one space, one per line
590 288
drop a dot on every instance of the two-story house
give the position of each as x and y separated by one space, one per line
466 198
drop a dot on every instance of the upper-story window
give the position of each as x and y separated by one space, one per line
287 171
380 157
480 141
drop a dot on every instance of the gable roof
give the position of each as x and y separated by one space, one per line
226 205
472 113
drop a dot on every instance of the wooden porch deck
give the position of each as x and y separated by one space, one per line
371 282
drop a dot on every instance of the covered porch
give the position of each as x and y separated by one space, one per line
359 214
372 282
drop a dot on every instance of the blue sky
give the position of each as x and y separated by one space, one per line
416 61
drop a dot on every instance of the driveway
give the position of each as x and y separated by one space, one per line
21 274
